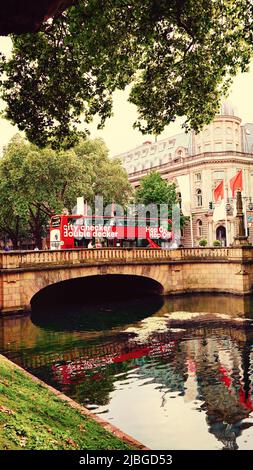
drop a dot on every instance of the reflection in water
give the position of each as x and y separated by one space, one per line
175 375
98 316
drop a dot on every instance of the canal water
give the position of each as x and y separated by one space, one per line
175 373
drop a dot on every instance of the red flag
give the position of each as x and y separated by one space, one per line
219 191
236 182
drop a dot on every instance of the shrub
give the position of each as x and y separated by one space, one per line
203 242
216 243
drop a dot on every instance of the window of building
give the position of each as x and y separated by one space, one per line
229 146
171 143
179 198
199 197
206 134
153 149
207 148
218 146
218 175
217 131
198 176
199 228
162 146
229 131
179 153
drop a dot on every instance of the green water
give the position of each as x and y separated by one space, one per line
174 373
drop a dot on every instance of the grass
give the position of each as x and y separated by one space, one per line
33 418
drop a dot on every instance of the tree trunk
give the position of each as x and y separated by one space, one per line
15 242
38 238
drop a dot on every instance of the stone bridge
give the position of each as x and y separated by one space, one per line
25 274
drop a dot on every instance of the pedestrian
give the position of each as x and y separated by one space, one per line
98 244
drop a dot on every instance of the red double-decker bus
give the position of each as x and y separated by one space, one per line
78 231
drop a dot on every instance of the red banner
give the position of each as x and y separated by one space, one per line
219 191
236 183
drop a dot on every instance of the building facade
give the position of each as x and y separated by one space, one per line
217 153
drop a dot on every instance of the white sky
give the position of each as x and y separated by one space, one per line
118 132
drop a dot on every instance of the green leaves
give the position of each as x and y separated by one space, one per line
107 177
36 183
154 190
179 55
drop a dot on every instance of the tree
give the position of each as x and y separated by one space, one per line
154 190
178 55
107 176
35 184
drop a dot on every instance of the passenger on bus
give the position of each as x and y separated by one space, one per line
90 244
98 244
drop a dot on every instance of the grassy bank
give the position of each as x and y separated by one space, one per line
33 417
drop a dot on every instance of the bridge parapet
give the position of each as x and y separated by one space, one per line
22 259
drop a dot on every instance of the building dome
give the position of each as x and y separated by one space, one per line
227 109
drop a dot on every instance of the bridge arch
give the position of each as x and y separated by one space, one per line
96 288
153 281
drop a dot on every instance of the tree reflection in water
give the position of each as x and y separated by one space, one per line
193 357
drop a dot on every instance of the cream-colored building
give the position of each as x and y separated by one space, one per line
218 152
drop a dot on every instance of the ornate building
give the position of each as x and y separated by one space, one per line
217 153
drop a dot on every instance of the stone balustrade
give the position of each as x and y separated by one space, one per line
22 259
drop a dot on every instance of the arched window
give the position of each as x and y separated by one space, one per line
199 197
221 235
199 228
217 131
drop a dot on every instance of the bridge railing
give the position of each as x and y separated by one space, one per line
23 259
